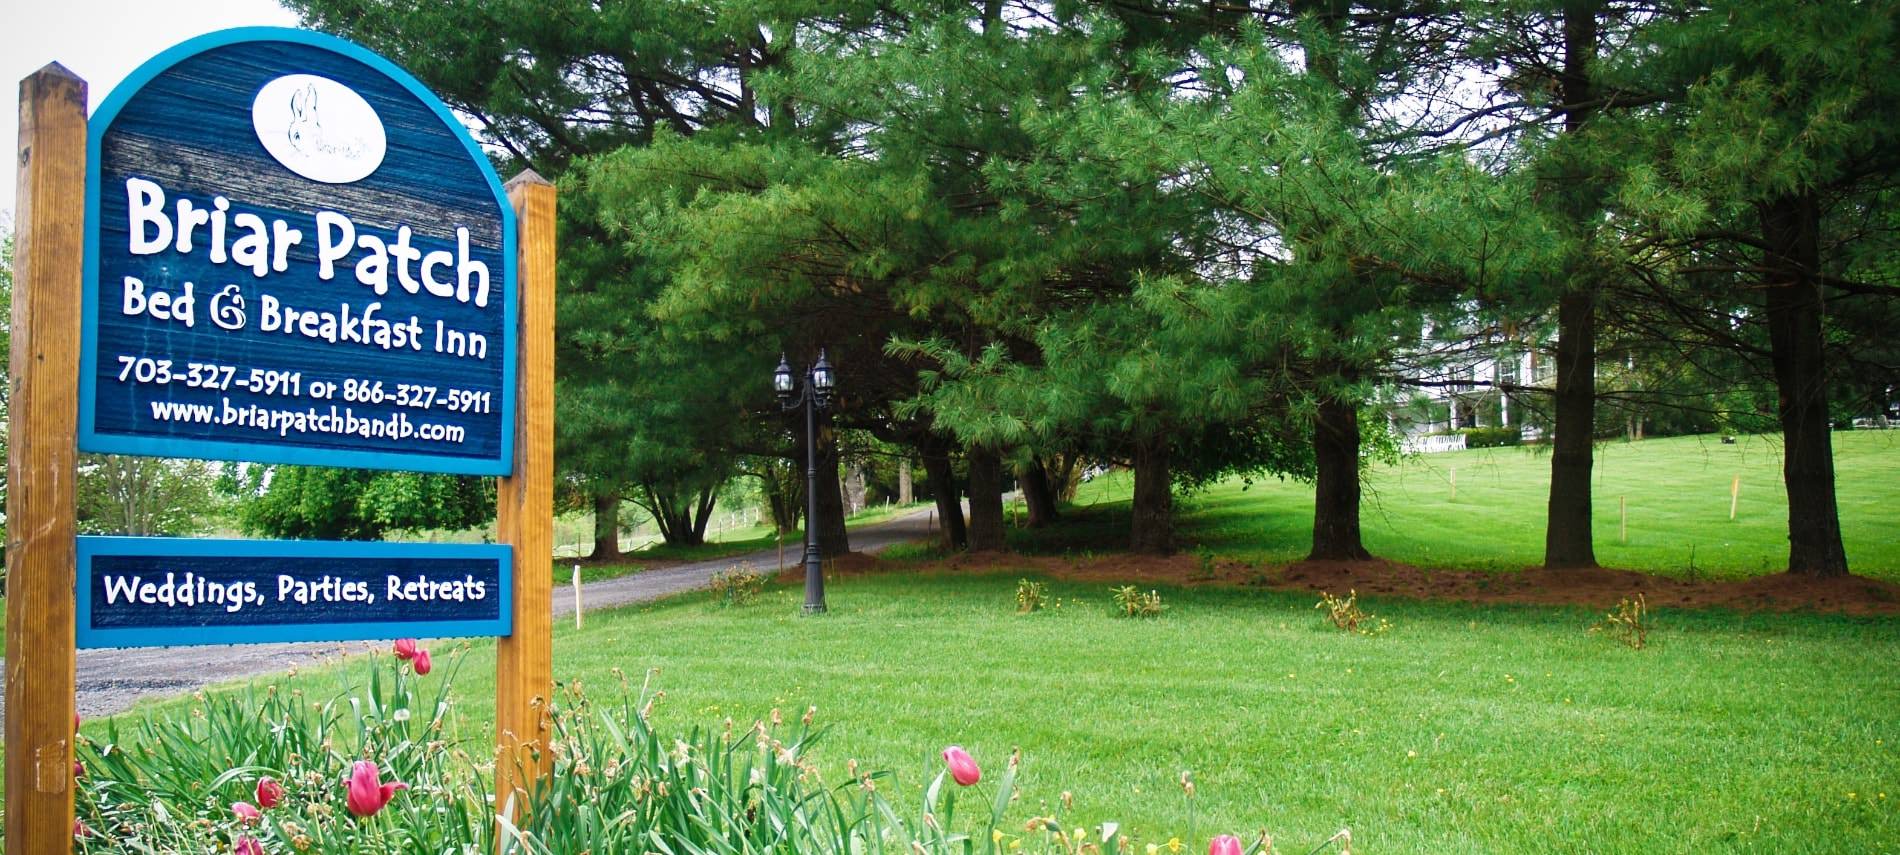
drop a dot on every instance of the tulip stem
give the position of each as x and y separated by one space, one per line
1328 841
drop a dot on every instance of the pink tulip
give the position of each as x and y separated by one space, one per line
269 793
247 845
405 648
1225 844
246 812
80 829
367 793
422 662
79 769
963 769
75 722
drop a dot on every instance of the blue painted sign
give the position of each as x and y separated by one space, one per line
295 254
159 591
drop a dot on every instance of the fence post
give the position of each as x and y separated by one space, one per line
48 273
524 510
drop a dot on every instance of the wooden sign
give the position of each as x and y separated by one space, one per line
294 254
275 246
153 592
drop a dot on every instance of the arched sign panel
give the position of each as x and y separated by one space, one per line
294 254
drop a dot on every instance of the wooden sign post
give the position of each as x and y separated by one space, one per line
524 512
47 273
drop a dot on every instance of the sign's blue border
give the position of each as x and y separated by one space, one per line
89 440
180 546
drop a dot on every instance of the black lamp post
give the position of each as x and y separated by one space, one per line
814 394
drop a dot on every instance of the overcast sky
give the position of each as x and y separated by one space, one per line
102 41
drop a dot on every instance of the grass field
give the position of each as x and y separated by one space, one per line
1676 491
1462 729
1465 728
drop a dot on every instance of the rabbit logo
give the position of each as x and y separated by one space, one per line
319 128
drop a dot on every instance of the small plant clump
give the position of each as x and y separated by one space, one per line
1348 617
1627 623
1030 596
1132 602
1207 568
737 586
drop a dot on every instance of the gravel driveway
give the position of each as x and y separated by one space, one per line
110 680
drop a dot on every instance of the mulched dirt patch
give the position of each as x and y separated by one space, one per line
1600 588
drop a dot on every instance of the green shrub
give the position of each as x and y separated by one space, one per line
1131 602
737 585
1030 596
1627 623
1491 437
1346 615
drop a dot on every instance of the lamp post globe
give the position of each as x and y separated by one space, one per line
822 380
782 382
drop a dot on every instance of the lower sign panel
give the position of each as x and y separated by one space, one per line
158 591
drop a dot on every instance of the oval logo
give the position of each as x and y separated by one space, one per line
319 128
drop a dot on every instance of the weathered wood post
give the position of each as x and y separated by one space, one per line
524 510
48 266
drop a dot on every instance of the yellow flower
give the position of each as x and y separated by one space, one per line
1174 844
1153 848
996 835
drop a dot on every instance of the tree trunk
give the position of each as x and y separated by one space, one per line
786 502
1062 476
832 539
606 527
904 496
1151 530
986 501
943 485
708 497
1567 536
1336 494
854 488
1792 228
1038 494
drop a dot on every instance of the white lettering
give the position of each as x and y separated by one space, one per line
253 249
117 587
335 236
373 270
189 217
430 262
145 206
283 238
404 253
219 205
467 268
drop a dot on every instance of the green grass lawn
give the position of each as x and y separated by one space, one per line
1465 728
1676 491
1462 729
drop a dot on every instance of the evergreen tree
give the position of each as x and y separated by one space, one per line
1773 156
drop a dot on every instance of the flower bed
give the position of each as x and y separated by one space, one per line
274 771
